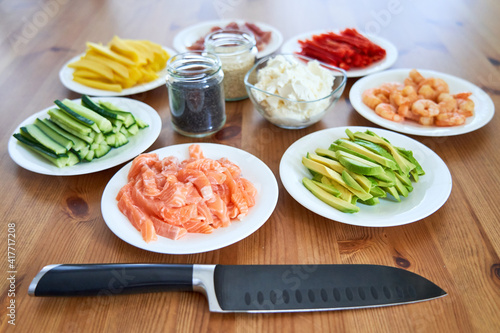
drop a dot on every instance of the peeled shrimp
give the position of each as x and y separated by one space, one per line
465 104
388 111
425 108
449 119
407 94
446 103
373 97
432 87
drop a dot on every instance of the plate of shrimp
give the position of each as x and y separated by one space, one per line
422 102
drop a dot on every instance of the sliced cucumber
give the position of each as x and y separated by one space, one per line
86 101
44 139
77 142
103 123
60 117
75 115
60 139
58 160
127 117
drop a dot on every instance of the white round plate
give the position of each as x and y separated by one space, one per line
252 169
483 111
188 36
137 144
66 77
292 46
429 193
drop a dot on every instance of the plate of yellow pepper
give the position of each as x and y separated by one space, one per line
121 67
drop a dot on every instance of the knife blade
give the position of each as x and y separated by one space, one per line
245 288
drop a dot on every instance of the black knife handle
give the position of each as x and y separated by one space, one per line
110 279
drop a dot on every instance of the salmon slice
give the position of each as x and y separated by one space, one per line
199 180
205 164
141 160
195 226
219 209
137 217
250 190
179 215
195 151
237 196
149 181
167 230
233 168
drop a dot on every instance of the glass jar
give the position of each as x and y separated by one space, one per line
196 95
237 52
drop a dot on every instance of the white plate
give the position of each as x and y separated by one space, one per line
137 144
252 169
66 77
188 36
484 107
428 195
292 46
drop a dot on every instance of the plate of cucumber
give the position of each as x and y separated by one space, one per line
82 136
367 176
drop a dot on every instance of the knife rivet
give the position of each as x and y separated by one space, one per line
361 293
324 295
387 292
298 296
336 294
348 294
311 296
286 296
248 299
260 297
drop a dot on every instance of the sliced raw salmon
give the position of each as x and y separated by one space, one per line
171 198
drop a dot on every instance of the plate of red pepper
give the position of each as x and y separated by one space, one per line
358 53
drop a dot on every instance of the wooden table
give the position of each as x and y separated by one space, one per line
58 219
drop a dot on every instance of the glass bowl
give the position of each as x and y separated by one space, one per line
289 111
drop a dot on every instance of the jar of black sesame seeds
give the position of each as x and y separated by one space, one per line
196 93
237 52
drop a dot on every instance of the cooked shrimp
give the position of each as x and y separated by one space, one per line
389 87
465 104
446 102
415 76
374 96
388 111
449 119
425 107
432 87
405 95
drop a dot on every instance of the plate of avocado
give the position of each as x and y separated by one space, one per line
365 176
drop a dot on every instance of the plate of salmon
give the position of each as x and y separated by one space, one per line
189 198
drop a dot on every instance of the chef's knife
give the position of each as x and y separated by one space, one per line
245 288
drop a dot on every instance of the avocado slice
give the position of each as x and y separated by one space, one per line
388 163
336 166
341 205
403 163
327 188
358 165
325 171
392 191
345 194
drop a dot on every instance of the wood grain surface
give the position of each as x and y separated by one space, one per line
58 219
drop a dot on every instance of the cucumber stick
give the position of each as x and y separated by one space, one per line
73 133
103 123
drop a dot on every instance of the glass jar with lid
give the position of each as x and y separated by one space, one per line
196 94
237 51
